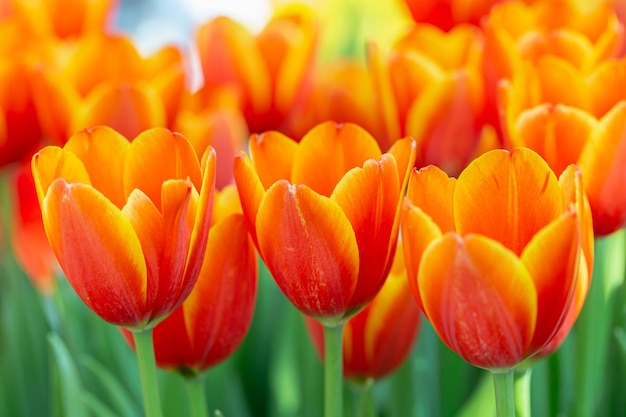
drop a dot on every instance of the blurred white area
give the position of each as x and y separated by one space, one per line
155 23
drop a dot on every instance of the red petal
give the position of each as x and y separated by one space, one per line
369 197
480 299
100 255
309 246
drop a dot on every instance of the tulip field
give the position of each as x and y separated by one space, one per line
312 208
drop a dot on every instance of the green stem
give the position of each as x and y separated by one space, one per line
366 406
197 396
333 370
505 394
522 392
147 373
594 325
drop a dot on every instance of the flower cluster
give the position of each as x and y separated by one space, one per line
489 138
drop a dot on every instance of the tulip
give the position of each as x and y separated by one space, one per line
130 244
324 213
379 338
131 94
507 216
267 72
497 258
430 87
341 91
324 216
572 125
214 319
573 36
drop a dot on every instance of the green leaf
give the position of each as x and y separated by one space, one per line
69 379
120 400
97 407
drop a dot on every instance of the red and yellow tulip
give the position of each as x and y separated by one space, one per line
496 257
128 222
213 320
342 91
127 92
267 72
430 87
569 35
324 213
379 338
569 118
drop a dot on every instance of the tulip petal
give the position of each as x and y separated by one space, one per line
552 258
443 121
516 194
602 163
309 246
273 154
102 151
100 255
219 310
432 191
418 231
202 209
127 108
241 63
556 132
328 151
383 89
147 223
179 201
562 83
479 298
393 316
157 155
369 197
250 191
51 163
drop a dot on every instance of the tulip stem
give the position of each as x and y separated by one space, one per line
505 394
197 396
333 370
522 392
366 404
147 372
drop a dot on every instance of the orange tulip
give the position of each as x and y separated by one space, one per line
430 87
266 71
577 36
578 121
324 214
130 244
378 339
127 92
214 319
342 91
494 258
